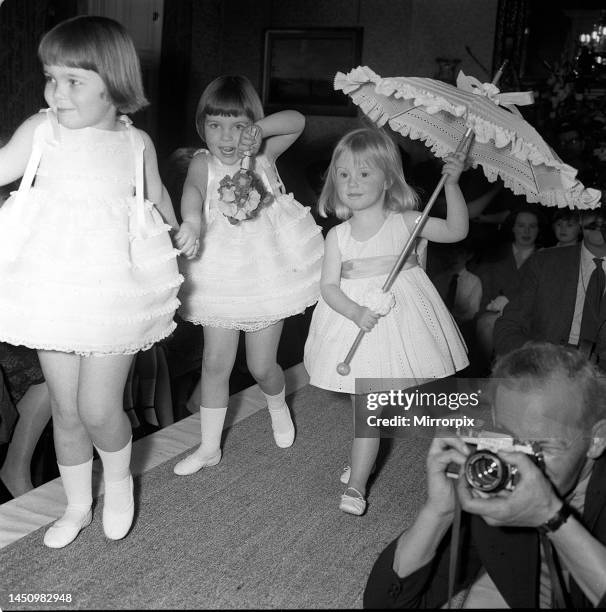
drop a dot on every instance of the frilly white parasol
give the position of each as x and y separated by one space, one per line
505 145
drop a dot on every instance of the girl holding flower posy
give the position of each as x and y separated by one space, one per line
410 333
254 254
88 274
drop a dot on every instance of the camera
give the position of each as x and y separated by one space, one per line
484 470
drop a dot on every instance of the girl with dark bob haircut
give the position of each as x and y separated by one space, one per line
103 46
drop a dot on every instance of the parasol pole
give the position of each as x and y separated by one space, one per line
344 368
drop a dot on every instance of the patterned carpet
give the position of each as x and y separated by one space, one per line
260 530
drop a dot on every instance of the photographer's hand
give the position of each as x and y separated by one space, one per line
417 546
440 487
532 502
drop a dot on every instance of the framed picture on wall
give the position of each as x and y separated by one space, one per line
300 65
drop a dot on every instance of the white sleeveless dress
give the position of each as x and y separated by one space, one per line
417 340
255 272
86 264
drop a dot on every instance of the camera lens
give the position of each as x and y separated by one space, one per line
486 472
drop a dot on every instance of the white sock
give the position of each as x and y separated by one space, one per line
77 483
278 410
211 428
116 476
209 451
276 402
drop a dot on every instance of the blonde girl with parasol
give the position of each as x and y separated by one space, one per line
254 254
409 331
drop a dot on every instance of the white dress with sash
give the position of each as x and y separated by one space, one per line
417 340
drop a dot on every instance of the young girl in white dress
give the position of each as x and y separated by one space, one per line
410 333
254 259
88 274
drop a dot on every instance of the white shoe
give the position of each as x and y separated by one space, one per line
353 504
194 463
284 439
117 523
66 529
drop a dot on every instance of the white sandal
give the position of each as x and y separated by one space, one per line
353 504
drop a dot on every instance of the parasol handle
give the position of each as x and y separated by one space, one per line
499 74
343 368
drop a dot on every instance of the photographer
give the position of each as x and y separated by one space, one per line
549 395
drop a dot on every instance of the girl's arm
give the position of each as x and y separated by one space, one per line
165 206
331 291
192 202
280 131
15 154
154 189
456 224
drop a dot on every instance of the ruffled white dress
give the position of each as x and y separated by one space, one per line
417 340
86 264
256 272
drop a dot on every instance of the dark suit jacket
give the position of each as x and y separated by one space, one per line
510 556
543 306
499 275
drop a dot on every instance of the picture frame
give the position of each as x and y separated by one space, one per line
300 65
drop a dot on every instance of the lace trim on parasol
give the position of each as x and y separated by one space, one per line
576 195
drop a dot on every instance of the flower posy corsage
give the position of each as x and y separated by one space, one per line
242 196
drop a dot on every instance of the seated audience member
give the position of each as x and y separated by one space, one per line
573 149
29 393
147 392
460 289
500 275
8 415
566 227
509 541
559 299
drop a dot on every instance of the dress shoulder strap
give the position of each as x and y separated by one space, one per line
47 131
343 231
138 146
212 172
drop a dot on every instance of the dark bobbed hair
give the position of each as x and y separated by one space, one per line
532 209
373 146
566 214
104 46
230 96
537 365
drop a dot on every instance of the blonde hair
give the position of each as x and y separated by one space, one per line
104 46
374 147
231 96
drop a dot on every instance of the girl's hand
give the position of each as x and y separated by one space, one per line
251 139
187 240
365 318
453 166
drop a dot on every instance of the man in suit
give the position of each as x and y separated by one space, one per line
550 303
510 541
